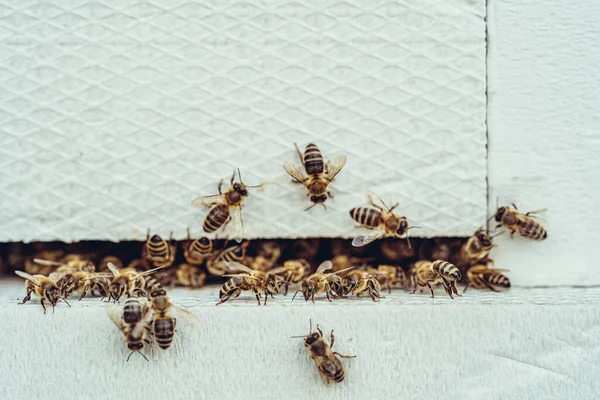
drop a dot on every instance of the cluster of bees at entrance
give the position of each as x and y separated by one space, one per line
147 317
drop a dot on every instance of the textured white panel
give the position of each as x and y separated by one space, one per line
114 115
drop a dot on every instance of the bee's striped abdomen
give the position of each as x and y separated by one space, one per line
446 269
366 216
216 217
132 312
532 229
164 331
313 160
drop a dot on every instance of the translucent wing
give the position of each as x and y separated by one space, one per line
364 240
185 314
325 266
28 277
150 271
237 223
336 273
241 276
334 166
377 201
47 262
113 268
99 275
115 313
278 270
57 276
208 201
236 266
294 171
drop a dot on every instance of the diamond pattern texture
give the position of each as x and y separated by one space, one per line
114 115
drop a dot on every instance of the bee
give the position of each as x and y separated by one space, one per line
426 273
389 276
342 261
33 268
45 288
317 174
476 249
267 254
103 264
525 225
380 218
190 276
159 252
225 207
126 282
133 320
137 264
257 281
329 365
396 250
319 282
359 282
480 277
197 251
75 276
216 265
292 271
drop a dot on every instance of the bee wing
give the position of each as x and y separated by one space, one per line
278 270
185 315
327 276
294 171
334 166
363 240
113 268
236 266
28 277
150 271
208 201
325 266
241 276
56 276
115 313
47 262
377 201
238 223
98 275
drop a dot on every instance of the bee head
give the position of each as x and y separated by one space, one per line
160 292
307 290
135 346
403 227
53 294
204 241
117 289
500 213
318 199
156 239
311 338
505 283
240 188
483 238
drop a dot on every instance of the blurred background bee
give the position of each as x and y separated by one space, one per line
134 321
46 288
328 364
358 282
320 282
159 252
190 276
380 218
197 251
268 253
482 277
427 273
389 276
225 208
317 174
292 271
217 265
248 279
525 225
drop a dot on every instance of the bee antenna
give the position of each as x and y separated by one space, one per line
497 234
310 322
296 337
324 206
295 295
63 299
306 209
130 354
240 175
145 358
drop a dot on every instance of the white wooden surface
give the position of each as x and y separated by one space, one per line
544 134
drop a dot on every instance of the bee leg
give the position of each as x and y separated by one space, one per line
319 330
536 211
299 154
512 234
489 286
342 355
232 178
455 290
389 288
327 290
42 302
329 194
467 286
220 186
515 206
430 288
84 292
27 296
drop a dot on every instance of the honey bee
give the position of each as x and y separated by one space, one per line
481 277
358 282
133 320
389 276
476 249
103 264
158 252
396 251
380 218
225 207
137 264
267 254
77 276
329 365
319 282
190 276
525 225
292 271
76 262
426 273
33 268
343 261
126 282
197 251
216 265
45 288
317 174
257 281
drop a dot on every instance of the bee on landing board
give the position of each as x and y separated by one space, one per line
389 276
320 282
76 277
317 174
248 279
225 208
358 282
475 250
134 321
292 271
426 273
328 364
481 277
525 225
382 219
159 252
45 288
197 251
126 282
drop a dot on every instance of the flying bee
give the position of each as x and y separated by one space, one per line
389 276
126 282
190 276
480 277
426 273
358 282
267 254
380 218
216 265
292 271
45 288
225 207
317 174
328 364
158 251
197 251
133 320
248 279
525 225
320 282
475 250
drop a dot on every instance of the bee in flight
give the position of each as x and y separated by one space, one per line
426 273
481 277
330 367
46 288
525 225
225 207
134 321
381 218
320 282
317 174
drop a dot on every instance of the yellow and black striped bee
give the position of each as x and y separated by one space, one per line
317 174
248 279
267 254
480 276
190 276
217 266
328 364
389 276
46 288
225 207
525 225
126 282
292 271
159 252
133 320
426 273
197 251
381 218
475 250
320 282
358 282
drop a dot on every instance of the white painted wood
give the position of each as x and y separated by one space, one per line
544 134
